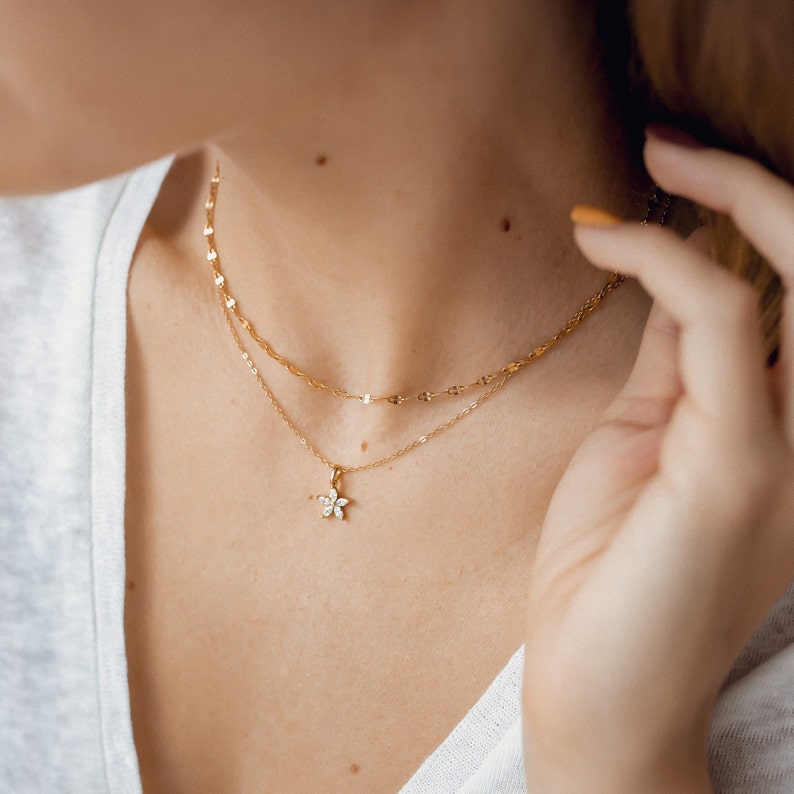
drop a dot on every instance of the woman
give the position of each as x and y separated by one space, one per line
392 217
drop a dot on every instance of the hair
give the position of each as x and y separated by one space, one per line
722 71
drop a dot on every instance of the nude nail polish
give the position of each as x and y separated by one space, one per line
594 217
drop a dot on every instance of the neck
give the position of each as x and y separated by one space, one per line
411 229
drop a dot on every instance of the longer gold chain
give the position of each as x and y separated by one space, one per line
319 455
501 377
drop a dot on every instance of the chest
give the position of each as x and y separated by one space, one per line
270 649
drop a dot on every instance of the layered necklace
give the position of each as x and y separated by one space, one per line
334 503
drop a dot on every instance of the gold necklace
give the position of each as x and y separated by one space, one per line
334 503
233 306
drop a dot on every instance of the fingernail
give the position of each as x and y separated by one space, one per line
668 134
595 217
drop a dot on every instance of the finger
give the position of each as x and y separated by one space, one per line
654 385
762 206
760 203
721 357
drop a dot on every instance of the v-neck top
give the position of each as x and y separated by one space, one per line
64 700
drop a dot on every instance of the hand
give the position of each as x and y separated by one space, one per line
672 532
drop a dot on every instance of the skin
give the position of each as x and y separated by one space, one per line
257 640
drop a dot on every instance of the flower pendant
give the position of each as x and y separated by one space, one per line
334 503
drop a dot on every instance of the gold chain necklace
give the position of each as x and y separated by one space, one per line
334 503
233 306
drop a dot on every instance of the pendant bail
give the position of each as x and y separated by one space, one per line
336 476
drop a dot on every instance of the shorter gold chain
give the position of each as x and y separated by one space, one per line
501 378
232 305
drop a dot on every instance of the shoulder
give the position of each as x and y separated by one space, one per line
58 254
49 244
55 223
43 236
49 247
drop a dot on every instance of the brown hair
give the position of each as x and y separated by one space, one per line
722 70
